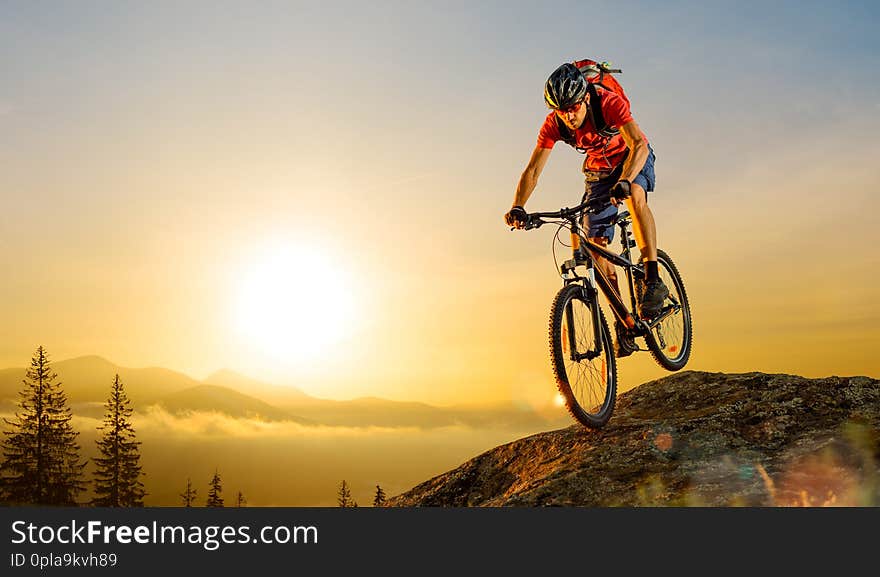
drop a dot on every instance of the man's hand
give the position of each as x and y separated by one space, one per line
516 217
620 192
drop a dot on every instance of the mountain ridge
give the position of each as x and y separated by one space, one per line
214 398
87 381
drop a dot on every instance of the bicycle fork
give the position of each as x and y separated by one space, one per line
590 295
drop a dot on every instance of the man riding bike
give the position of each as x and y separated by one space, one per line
619 167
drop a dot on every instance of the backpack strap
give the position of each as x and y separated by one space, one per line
567 136
596 115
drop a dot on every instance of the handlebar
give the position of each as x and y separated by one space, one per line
535 219
563 213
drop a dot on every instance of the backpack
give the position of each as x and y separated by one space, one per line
596 74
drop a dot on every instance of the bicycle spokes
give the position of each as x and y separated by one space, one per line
669 334
580 346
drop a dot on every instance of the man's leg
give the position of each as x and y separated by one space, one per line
608 268
643 219
646 238
624 345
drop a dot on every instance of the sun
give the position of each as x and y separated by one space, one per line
294 303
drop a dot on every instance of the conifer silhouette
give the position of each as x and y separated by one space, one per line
343 495
41 457
189 494
117 477
240 501
379 499
214 498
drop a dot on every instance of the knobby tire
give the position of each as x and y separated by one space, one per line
684 344
589 387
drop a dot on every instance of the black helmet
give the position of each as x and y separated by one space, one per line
565 87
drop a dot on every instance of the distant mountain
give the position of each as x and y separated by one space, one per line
10 383
88 379
378 412
374 412
275 394
211 398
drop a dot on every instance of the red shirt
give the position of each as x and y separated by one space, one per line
602 153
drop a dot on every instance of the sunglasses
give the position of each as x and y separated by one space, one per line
569 110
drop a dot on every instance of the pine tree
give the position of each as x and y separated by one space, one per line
379 499
343 495
41 457
117 481
189 494
214 498
240 501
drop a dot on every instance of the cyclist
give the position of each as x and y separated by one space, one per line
617 168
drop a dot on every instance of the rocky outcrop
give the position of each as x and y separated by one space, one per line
690 439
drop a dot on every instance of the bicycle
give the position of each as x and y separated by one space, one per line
581 350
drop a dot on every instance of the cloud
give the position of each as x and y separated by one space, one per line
157 421
286 463
213 426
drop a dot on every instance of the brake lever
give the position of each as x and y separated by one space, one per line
533 222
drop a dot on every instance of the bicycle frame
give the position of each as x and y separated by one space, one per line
622 260
596 282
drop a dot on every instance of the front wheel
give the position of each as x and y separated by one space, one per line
582 356
671 339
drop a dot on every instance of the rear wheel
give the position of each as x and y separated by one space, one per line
584 366
671 339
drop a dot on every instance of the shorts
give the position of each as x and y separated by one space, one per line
598 223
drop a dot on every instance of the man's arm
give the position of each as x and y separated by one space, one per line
638 150
529 179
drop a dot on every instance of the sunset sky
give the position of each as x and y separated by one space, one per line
312 193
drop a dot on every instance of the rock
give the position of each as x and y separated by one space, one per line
690 439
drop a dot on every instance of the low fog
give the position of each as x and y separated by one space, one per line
287 464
